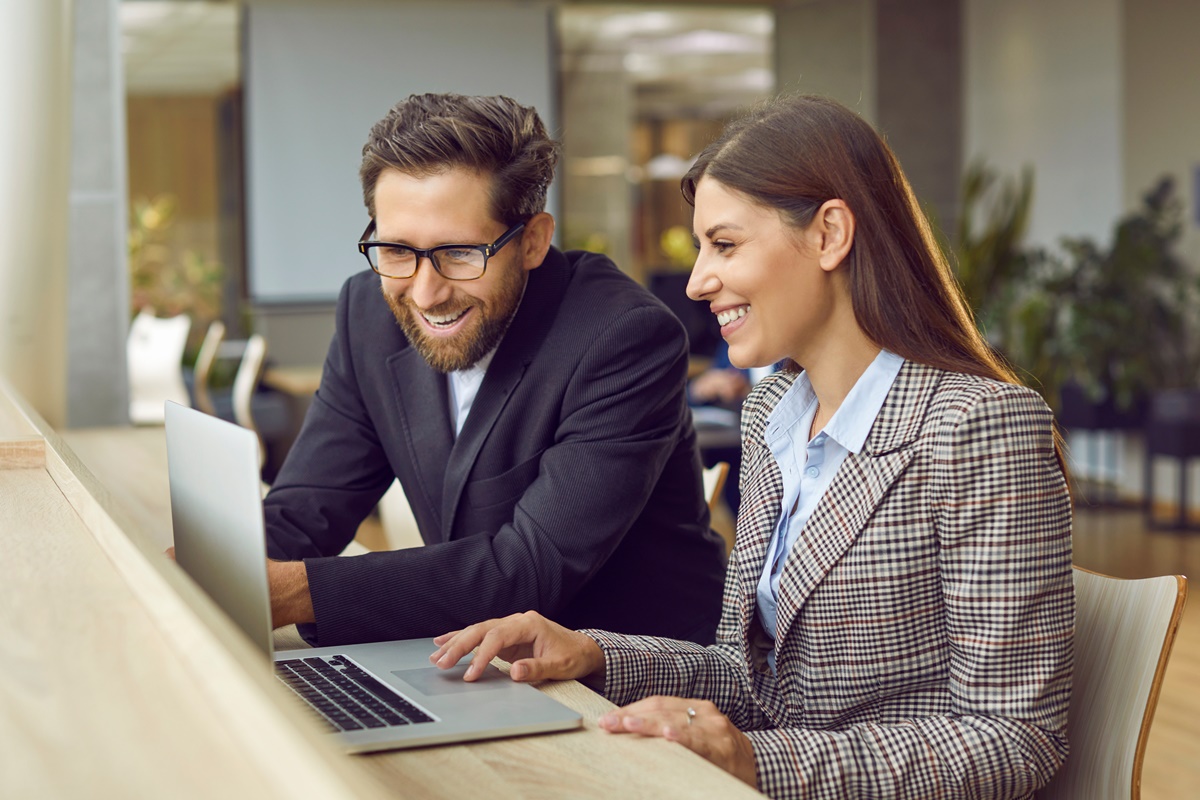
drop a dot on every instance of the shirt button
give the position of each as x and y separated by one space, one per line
812 472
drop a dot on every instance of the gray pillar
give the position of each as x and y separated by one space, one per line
898 63
919 97
35 93
98 284
828 47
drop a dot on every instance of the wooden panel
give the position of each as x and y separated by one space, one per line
95 702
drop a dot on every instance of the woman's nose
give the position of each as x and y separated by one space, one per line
703 281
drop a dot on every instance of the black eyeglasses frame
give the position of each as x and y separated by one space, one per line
488 250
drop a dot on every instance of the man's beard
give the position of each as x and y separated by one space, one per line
480 337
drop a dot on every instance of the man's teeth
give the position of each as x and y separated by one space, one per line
729 315
443 319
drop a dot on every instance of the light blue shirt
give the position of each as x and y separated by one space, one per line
808 467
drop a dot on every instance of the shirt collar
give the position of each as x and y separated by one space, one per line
852 422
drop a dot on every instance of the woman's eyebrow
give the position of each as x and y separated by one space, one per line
720 225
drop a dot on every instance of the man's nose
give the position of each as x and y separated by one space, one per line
427 288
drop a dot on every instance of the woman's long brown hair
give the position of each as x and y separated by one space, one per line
798 151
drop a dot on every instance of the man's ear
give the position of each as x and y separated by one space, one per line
833 229
535 239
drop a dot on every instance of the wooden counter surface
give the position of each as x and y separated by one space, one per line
120 678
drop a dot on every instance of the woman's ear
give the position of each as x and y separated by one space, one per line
535 239
833 229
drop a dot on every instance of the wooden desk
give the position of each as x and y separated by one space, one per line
119 677
296 381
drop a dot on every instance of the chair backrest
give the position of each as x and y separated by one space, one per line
245 382
1124 630
714 482
205 360
154 357
396 518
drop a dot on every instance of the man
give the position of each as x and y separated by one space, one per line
531 403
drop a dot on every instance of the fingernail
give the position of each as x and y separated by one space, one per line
633 723
517 673
607 721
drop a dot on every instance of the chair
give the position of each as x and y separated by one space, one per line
154 355
714 482
396 518
245 383
1124 630
205 359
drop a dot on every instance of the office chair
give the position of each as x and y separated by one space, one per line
1124 630
154 355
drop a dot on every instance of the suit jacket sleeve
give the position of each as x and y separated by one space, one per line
620 419
1002 516
337 469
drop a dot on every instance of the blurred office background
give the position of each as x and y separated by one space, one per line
201 158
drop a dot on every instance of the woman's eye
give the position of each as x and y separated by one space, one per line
722 247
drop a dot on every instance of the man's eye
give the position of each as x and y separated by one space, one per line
394 253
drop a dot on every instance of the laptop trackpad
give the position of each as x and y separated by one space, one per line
434 681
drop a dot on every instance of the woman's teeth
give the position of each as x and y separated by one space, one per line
729 315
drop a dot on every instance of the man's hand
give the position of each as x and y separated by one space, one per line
290 600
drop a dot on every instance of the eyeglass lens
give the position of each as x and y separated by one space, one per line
455 263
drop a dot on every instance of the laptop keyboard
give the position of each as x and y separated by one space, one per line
345 695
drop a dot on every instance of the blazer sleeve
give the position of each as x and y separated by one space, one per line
620 421
1003 524
640 666
337 469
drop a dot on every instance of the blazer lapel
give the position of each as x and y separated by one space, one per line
423 400
860 485
498 385
543 295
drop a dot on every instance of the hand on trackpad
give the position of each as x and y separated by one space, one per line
434 681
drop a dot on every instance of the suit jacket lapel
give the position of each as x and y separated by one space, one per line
543 295
424 403
857 490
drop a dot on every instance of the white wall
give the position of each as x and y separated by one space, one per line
35 156
319 75
1043 86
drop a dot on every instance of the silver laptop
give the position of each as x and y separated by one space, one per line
378 696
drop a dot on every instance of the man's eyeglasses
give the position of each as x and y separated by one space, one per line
455 262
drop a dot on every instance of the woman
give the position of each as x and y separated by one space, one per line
899 605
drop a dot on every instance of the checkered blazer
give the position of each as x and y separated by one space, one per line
926 611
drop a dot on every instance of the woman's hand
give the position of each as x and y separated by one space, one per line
537 648
695 724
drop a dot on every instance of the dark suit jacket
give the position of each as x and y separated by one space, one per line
574 488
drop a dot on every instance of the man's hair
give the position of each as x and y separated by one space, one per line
426 134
